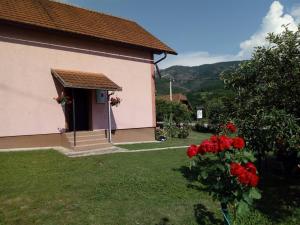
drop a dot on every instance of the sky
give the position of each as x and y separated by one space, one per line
204 31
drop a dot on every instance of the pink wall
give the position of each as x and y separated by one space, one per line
99 114
27 86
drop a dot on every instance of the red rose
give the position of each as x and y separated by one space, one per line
201 149
224 143
214 138
250 167
208 146
192 151
236 169
231 127
214 147
238 142
253 179
244 174
244 177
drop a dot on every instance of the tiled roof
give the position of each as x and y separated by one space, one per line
175 97
64 17
77 79
178 97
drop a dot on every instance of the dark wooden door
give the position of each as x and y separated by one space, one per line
82 110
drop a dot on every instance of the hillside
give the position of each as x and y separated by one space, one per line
193 79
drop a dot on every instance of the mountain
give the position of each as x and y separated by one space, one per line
190 79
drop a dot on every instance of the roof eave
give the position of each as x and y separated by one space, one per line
32 25
66 85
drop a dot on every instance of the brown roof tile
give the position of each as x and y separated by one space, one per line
177 97
77 79
63 17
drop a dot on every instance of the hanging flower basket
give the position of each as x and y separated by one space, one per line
115 101
63 100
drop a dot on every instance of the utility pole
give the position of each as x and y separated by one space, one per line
171 97
171 86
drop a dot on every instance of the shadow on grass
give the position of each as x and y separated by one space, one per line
188 173
203 216
164 221
191 175
280 196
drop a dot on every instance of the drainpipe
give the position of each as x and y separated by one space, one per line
158 61
171 94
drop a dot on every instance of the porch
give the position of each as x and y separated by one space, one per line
85 97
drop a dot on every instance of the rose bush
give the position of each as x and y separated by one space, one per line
226 170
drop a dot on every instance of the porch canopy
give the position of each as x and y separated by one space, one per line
84 80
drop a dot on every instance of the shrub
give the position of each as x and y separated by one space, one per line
160 134
266 90
170 127
226 169
184 131
180 112
203 128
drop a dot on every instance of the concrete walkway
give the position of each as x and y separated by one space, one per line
113 149
156 149
109 150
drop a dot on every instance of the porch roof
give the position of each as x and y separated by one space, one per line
84 80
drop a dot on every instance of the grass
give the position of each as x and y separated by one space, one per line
140 188
194 138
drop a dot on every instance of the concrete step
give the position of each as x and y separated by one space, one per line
92 146
82 142
85 138
100 133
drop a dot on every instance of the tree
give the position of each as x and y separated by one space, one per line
266 99
164 109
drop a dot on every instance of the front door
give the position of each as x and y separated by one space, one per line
82 110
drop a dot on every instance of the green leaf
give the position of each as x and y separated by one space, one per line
227 156
247 198
249 156
254 193
220 167
242 208
204 174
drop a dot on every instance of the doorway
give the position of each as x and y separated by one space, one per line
82 110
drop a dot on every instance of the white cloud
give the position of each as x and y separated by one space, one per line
272 22
296 13
195 58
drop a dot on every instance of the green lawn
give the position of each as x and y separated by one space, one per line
194 138
139 188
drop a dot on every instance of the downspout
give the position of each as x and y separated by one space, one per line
158 61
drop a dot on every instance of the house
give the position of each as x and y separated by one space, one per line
61 65
178 97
